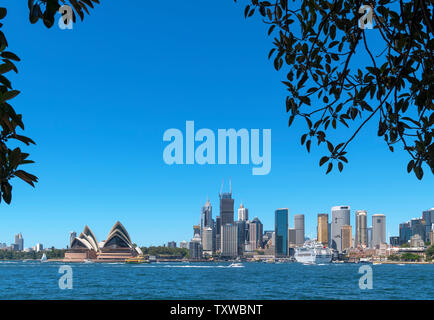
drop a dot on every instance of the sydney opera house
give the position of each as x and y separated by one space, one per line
117 246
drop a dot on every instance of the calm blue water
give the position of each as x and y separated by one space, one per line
35 280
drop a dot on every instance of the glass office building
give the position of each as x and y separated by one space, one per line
281 231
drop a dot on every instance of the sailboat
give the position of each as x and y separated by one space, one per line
44 258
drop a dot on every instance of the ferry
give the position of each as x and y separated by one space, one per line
313 252
136 260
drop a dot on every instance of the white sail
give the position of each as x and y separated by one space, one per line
44 258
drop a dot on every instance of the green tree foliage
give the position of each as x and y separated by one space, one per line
21 255
410 257
430 252
11 122
394 257
165 251
320 46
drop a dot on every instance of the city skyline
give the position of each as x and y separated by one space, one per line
206 213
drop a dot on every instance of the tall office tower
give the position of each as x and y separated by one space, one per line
369 237
418 227
378 230
218 229
19 241
207 240
242 235
229 240
206 216
299 229
281 232
361 228
226 206
171 244
431 235
255 228
340 217
428 217
346 236
323 228
195 249
39 247
243 213
292 238
72 236
404 232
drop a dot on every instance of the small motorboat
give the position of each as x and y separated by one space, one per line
236 265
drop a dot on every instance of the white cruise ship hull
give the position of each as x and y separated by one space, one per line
314 259
313 254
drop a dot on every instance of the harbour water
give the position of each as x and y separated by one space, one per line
35 280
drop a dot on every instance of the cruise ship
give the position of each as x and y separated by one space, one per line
313 252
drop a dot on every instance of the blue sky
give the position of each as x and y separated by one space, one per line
97 100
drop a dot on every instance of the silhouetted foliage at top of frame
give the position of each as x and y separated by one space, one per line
314 43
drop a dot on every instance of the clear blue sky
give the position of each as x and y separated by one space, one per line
98 99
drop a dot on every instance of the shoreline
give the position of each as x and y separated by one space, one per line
215 261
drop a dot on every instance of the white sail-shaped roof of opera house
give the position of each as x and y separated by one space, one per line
116 247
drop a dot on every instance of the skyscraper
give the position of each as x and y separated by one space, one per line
207 240
404 232
322 229
206 215
195 249
428 217
218 229
281 232
229 240
292 238
19 242
243 213
346 235
417 226
378 230
226 207
340 217
299 229
242 235
369 237
361 228
255 228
